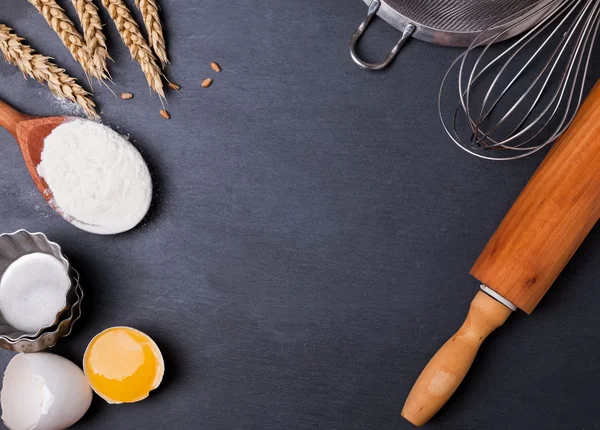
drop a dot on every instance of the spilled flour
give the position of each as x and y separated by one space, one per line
66 106
98 180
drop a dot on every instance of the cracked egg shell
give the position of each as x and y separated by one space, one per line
43 391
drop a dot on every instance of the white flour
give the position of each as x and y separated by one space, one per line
67 107
32 291
98 180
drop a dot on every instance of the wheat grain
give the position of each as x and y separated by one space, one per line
149 10
40 67
92 32
138 47
71 38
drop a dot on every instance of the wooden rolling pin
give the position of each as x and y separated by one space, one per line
534 242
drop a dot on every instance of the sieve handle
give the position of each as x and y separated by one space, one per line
406 34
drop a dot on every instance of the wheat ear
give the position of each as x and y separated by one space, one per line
138 47
149 10
64 27
40 67
92 32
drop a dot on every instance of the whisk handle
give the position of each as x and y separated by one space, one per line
448 367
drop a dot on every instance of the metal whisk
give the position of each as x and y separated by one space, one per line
512 115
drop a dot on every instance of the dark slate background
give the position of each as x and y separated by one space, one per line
312 231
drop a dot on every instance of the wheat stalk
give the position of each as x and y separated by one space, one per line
92 32
64 27
40 67
138 47
149 10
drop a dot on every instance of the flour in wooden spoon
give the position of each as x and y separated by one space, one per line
98 180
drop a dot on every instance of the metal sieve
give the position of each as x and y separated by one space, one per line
448 22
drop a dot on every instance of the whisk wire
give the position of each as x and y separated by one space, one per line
478 137
545 108
521 45
552 63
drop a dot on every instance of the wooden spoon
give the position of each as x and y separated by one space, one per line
29 132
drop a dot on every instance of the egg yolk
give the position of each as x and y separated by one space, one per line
123 365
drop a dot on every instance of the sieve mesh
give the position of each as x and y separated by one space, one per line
458 16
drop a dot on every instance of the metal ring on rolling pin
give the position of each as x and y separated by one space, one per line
498 297
373 8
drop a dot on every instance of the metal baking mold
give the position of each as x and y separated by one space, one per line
16 245
50 337
66 323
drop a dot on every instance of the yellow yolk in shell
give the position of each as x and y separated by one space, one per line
123 365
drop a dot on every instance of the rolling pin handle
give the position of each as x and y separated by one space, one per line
448 367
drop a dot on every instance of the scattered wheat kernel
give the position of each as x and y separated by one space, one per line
206 83
126 96
215 67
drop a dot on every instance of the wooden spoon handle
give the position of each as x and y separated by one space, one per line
446 370
10 117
